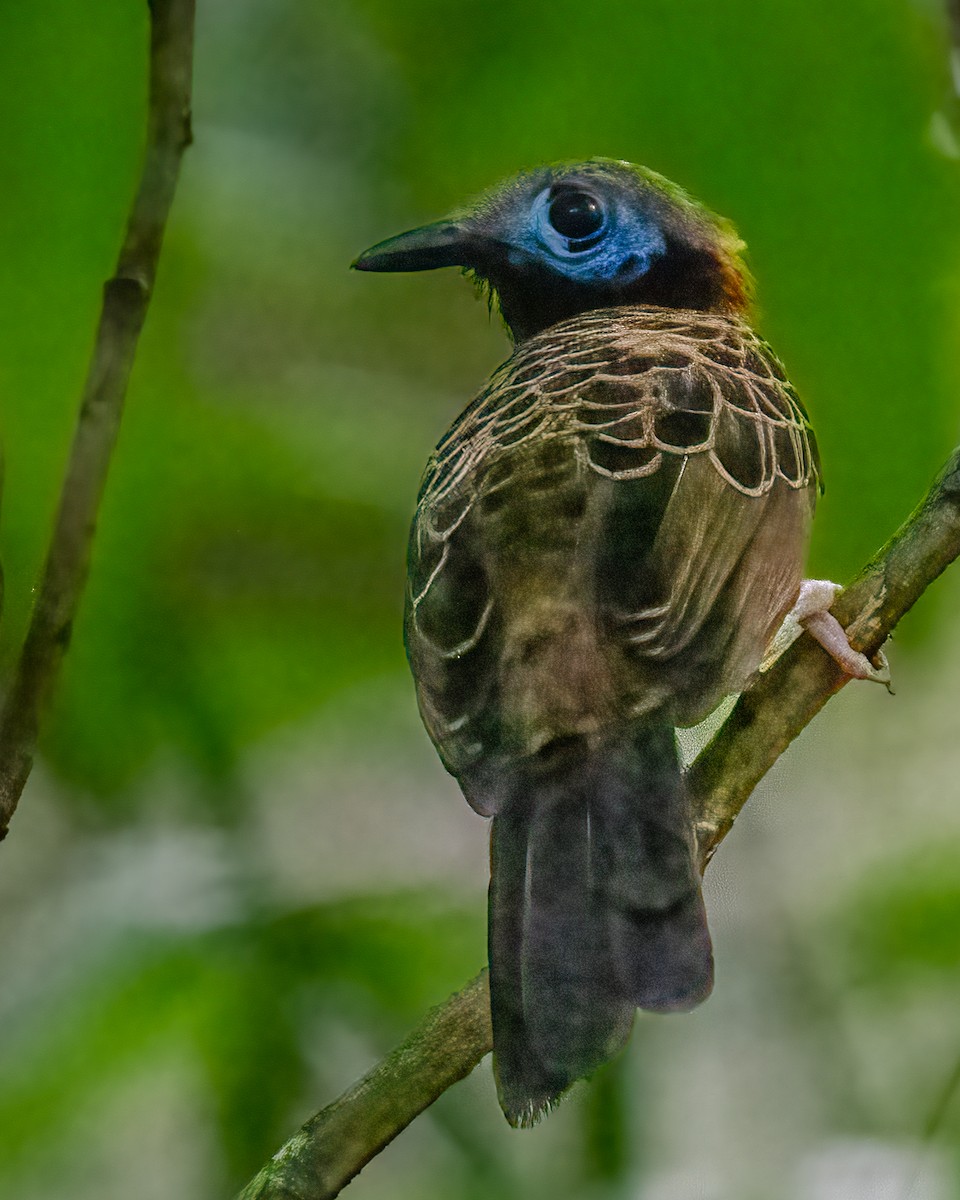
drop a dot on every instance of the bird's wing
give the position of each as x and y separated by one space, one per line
679 426
715 470
730 438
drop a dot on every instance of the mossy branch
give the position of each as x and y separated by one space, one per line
327 1151
778 704
126 297
335 1144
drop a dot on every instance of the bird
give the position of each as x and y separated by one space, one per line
605 542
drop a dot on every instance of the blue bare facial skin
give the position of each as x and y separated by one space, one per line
564 239
585 236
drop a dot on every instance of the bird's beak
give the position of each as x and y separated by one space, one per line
443 244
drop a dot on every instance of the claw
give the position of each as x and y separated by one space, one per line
816 596
881 671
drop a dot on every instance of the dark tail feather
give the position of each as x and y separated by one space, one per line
658 927
556 1007
595 910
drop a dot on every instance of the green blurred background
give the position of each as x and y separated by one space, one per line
239 873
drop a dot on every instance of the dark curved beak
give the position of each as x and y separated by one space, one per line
443 244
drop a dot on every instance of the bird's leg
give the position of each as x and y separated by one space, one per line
811 612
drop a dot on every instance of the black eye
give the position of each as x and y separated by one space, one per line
576 215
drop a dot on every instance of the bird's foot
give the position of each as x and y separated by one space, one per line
811 612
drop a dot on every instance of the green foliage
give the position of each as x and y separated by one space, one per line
906 921
238 999
247 579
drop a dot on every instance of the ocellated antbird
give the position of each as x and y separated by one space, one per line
605 542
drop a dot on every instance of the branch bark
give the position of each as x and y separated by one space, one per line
338 1141
126 297
326 1153
778 704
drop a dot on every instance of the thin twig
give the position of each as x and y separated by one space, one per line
333 1145
945 123
953 19
125 300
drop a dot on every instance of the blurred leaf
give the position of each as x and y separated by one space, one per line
248 571
252 1000
905 920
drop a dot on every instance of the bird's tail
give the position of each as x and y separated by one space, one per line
595 910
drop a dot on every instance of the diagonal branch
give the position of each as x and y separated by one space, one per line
125 300
339 1140
776 707
332 1146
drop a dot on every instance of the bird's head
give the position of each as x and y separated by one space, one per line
569 238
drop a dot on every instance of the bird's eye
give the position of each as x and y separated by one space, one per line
576 215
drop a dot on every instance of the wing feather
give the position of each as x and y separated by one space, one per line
661 441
